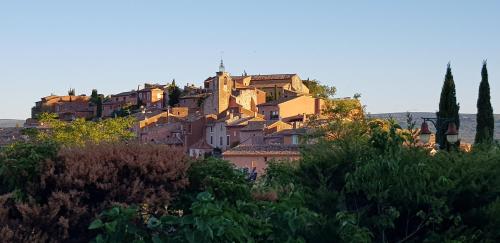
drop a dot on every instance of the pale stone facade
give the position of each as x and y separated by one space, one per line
292 106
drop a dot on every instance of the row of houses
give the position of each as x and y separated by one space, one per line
248 120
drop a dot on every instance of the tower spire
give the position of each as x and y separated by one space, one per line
221 66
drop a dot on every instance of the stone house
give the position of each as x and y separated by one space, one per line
67 107
151 96
200 149
275 85
254 131
257 156
291 106
194 102
118 101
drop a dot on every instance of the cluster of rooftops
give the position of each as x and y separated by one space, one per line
247 119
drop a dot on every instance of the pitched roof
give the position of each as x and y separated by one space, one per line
258 125
243 121
278 101
285 132
141 116
238 78
267 149
272 77
268 84
201 144
126 93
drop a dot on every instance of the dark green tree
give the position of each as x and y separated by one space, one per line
174 93
484 116
96 99
99 107
448 108
94 96
318 90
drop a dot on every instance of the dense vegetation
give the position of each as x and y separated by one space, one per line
359 181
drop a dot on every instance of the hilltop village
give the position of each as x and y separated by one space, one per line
247 119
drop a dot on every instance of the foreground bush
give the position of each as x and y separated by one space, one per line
80 182
222 210
21 164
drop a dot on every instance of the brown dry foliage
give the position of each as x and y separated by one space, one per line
83 181
270 196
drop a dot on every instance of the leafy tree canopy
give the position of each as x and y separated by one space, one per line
319 90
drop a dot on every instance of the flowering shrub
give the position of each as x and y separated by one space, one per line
80 182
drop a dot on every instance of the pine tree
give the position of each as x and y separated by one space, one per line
448 108
484 117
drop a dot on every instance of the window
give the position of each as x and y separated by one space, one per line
211 140
211 129
274 115
295 139
220 141
227 140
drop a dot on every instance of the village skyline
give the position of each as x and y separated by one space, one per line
384 50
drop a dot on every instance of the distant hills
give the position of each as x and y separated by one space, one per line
467 123
10 123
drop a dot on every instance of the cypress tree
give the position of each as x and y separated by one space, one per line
99 107
484 116
448 108
174 94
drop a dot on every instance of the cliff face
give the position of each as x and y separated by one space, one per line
467 123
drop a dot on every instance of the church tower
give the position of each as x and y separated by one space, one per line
221 86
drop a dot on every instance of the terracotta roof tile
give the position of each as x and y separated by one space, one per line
271 77
201 144
126 93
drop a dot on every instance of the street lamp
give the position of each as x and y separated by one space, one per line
425 133
440 124
452 133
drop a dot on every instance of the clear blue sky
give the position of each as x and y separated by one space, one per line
392 52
